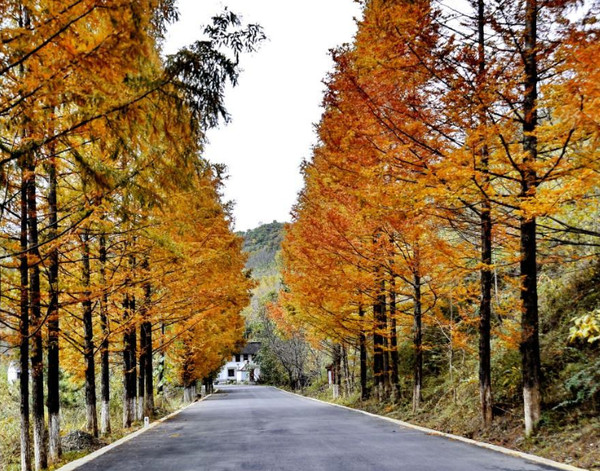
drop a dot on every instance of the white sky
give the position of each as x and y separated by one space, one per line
277 100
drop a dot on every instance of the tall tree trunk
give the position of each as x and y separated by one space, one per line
161 361
89 347
149 384
37 351
362 339
24 331
378 341
337 369
128 366
211 382
485 308
338 366
189 380
24 323
105 428
418 343
346 369
53 400
386 346
141 374
133 359
393 342
530 345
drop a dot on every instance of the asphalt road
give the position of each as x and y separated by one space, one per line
262 429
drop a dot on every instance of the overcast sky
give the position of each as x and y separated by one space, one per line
277 102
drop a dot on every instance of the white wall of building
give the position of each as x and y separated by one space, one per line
239 365
13 373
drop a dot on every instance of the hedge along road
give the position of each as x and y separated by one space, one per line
261 428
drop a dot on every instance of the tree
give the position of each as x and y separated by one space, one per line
78 85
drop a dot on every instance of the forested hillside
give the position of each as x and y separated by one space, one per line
284 359
262 245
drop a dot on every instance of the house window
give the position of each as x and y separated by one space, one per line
246 357
231 372
238 358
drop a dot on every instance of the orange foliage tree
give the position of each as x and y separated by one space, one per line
96 131
445 153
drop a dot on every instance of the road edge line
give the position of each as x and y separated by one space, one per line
72 465
470 441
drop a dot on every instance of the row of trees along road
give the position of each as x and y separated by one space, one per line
458 152
114 240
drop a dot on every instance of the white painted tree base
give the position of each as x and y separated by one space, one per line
54 446
531 408
105 418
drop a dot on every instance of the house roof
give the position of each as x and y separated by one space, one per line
251 348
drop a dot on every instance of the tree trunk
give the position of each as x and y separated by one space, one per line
378 342
149 384
105 428
337 369
485 308
530 346
128 366
418 342
88 352
37 351
393 343
24 332
24 323
141 375
161 361
189 391
53 400
362 339
209 384
133 360
386 346
346 369
451 353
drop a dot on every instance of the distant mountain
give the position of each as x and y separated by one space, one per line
262 244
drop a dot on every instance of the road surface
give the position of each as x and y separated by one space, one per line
261 428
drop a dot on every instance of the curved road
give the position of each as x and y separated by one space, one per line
262 429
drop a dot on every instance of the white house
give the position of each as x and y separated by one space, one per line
14 373
241 367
